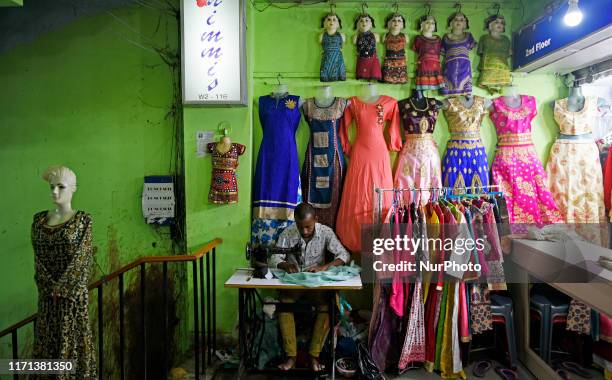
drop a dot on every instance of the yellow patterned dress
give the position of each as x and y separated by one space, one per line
494 68
465 162
574 170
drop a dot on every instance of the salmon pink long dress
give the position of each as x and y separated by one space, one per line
369 165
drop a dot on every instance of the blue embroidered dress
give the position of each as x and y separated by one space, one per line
323 169
332 62
276 186
465 162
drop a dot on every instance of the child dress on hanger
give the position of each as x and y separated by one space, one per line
428 72
517 169
457 65
223 186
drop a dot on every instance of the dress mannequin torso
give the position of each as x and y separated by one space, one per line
467 102
224 145
324 96
281 90
369 93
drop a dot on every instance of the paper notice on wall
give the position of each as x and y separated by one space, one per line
202 139
158 200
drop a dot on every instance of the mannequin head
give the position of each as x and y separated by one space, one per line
458 22
62 182
395 23
496 24
427 24
364 22
331 22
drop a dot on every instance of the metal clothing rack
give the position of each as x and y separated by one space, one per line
441 191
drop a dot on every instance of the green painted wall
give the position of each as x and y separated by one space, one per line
285 41
85 97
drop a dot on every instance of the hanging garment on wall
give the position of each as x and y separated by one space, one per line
223 185
332 62
394 66
276 186
62 258
418 164
517 169
428 72
323 169
494 68
369 166
457 65
465 162
573 169
368 66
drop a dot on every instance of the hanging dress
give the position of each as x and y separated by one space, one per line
457 65
428 72
62 257
394 67
418 164
369 165
368 66
494 68
573 169
324 168
517 169
332 61
465 162
223 184
276 185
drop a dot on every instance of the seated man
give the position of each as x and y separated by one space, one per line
315 239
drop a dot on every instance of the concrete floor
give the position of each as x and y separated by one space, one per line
420 374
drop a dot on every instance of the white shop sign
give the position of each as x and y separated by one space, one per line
213 52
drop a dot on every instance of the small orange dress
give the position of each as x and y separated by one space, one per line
369 165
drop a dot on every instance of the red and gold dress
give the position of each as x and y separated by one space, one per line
223 185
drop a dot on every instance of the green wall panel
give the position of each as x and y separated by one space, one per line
85 97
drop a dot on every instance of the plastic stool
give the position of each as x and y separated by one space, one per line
551 307
502 311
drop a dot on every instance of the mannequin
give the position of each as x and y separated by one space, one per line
225 142
332 62
511 96
369 93
495 49
575 100
418 99
280 90
456 46
365 40
467 101
62 182
324 96
63 254
428 47
394 66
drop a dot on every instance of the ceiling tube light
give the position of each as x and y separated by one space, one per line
573 16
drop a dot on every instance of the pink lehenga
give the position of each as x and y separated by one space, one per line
418 164
517 169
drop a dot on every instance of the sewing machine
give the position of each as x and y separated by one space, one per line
258 256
